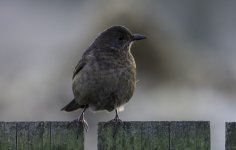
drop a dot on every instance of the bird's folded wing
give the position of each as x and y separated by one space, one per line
78 67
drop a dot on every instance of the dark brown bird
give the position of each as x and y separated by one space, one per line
105 77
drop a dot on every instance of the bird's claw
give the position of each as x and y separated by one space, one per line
116 120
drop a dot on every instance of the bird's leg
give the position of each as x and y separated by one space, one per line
82 120
117 119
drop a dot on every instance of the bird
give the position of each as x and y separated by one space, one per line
105 76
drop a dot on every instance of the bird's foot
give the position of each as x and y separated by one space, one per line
80 120
83 122
116 120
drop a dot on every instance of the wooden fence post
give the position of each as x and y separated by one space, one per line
191 135
40 135
230 136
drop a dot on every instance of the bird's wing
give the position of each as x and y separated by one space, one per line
78 67
86 58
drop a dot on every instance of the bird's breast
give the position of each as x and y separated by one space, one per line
106 83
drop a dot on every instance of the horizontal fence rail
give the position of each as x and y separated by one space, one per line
40 136
154 136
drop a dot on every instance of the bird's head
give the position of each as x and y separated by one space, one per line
117 38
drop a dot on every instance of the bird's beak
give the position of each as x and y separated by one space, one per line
137 37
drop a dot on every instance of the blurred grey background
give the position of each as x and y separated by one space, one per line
186 67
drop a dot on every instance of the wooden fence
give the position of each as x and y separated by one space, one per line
40 136
154 136
187 135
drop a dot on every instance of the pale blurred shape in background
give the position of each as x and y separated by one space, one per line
186 67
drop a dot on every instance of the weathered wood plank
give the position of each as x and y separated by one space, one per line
203 137
35 135
230 138
182 136
2 134
22 130
154 136
10 136
63 137
46 135
131 131
105 136
123 135
188 136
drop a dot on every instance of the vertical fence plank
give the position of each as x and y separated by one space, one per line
230 138
186 135
10 136
36 130
203 137
155 135
47 136
22 135
63 137
132 133
80 140
182 136
2 134
124 135
105 136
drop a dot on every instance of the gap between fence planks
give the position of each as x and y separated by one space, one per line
191 135
40 136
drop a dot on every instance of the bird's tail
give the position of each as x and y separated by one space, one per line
73 105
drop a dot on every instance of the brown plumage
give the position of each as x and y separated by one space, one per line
105 77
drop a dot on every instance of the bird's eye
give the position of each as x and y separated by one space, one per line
121 38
